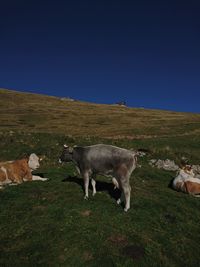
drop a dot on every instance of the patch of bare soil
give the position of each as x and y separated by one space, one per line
135 252
118 240
86 213
87 256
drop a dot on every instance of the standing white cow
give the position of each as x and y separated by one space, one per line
106 160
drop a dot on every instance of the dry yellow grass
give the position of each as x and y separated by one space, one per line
41 113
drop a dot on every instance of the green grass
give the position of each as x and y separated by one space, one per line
49 223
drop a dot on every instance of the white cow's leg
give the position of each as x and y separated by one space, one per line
93 182
122 198
194 195
127 194
115 182
38 178
119 201
7 180
86 184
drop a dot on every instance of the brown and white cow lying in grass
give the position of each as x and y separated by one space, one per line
19 171
186 181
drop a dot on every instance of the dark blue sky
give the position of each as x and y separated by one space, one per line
144 52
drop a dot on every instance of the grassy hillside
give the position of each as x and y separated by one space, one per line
49 224
39 113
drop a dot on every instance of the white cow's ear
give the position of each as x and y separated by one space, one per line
65 146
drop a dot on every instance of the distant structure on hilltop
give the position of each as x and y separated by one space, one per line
67 99
121 103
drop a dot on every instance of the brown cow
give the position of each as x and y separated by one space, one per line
19 171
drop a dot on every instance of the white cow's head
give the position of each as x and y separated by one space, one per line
33 162
188 170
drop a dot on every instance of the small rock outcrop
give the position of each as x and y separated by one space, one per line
167 164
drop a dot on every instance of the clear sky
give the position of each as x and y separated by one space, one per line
144 52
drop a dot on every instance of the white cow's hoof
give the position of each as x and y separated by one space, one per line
126 209
93 194
13 184
86 197
119 201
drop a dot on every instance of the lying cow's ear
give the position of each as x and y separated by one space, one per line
65 146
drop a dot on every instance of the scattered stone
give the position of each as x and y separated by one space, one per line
152 162
196 169
168 165
141 154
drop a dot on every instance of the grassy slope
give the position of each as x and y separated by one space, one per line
38 113
49 224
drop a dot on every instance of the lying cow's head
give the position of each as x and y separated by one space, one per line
33 162
187 169
66 155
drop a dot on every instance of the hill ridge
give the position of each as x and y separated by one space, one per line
32 112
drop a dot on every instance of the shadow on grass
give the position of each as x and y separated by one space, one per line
41 174
100 186
170 185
